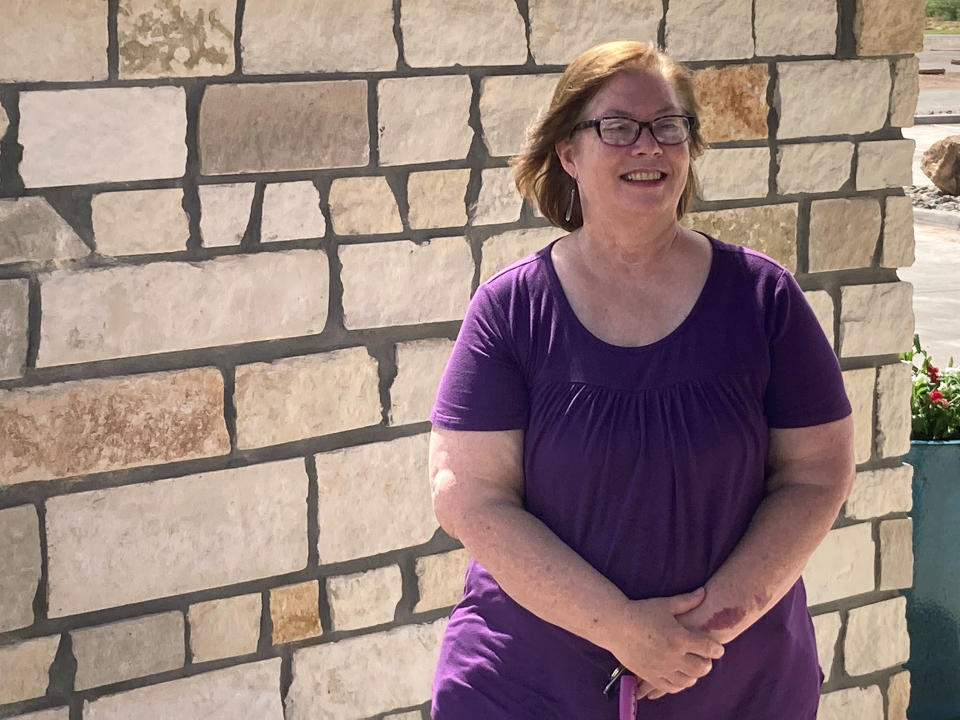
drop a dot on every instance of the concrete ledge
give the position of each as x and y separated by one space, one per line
941 218
944 119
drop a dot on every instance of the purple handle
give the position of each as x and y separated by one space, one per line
628 697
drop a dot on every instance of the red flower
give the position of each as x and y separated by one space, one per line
936 395
934 374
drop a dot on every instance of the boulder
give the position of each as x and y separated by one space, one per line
941 163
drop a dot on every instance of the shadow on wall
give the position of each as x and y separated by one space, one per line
934 661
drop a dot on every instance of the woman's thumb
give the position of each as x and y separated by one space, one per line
686 602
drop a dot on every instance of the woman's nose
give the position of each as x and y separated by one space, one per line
646 143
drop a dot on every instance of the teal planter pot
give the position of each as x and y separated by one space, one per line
933 604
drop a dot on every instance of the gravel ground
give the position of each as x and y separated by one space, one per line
929 197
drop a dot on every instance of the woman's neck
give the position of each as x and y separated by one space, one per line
613 250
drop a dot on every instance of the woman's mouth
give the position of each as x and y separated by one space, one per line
648 177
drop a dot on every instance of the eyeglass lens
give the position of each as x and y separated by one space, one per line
669 130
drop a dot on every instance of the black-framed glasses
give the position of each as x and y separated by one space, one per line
621 131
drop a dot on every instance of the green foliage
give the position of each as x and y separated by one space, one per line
944 9
935 399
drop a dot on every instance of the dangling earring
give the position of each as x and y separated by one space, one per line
569 213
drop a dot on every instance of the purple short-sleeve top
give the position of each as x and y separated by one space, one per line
649 462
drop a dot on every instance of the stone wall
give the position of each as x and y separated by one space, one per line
236 239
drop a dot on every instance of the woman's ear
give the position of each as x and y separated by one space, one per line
564 150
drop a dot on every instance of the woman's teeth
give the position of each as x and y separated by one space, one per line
644 176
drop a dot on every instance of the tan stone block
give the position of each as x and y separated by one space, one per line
876 637
894 386
424 119
859 386
138 542
420 364
441 33
224 213
898 696
822 305
732 173
364 599
32 231
783 27
876 493
770 229
54 714
813 167
291 211
267 127
186 38
295 612
734 101
388 481
509 104
88 426
708 30
135 222
841 566
500 251
409 715
33 48
301 397
440 579
14 306
876 319
562 29
843 233
884 163
4 122
296 36
128 649
25 667
223 301
896 554
402 283
499 201
19 566
366 675
832 97
827 629
889 27
898 240
363 206
437 198
859 703
906 91
224 628
242 691
129 133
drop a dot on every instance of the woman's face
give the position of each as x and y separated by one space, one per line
607 176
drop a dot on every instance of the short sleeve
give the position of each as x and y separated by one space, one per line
483 386
805 386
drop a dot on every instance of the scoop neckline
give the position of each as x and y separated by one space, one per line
673 334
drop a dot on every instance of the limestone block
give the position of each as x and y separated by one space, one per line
366 675
822 305
137 542
129 133
268 127
906 91
813 167
889 27
437 198
499 201
224 213
295 612
500 251
32 231
509 104
19 565
14 305
733 173
884 163
389 481
4 122
896 554
787 28
832 97
186 38
364 599
843 233
734 101
223 301
898 696
770 229
24 667
402 283
859 703
128 649
296 36
859 386
440 579
424 119
562 29
31 49
827 629
241 692
876 493
420 364
89 426
224 628
54 714
710 30
876 319
898 240
135 222
894 385
301 397
877 637
441 33
841 566
409 715
363 206
291 211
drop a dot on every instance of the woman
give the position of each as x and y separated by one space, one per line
640 437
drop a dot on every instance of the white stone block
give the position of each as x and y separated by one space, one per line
876 319
291 211
877 637
898 240
437 198
224 213
364 599
710 30
843 233
363 206
499 251
136 222
224 628
827 629
898 696
884 163
25 668
14 309
19 565
877 493
783 27
733 173
813 167
509 104
841 566
32 231
896 554
420 364
441 33
894 386
822 305
859 386
906 91
859 703
499 201
440 579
